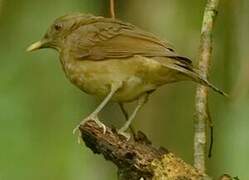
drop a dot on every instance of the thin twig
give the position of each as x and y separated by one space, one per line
112 9
201 100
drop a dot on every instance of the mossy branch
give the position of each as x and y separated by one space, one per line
137 159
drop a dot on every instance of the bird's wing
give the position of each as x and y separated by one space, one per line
110 39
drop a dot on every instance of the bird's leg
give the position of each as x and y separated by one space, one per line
94 115
141 101
121 105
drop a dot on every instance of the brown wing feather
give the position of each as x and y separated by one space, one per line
115 39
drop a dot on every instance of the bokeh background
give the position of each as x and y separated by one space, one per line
39 107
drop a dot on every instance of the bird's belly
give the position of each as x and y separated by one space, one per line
96 77
132 88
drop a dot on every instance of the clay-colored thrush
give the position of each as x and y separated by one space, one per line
115 60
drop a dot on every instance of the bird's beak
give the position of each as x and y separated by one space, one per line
37 45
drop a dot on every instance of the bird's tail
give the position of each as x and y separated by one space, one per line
195 75
189 71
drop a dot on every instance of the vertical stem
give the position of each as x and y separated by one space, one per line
201 109
112 9
1 4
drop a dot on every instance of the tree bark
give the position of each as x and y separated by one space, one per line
137 159
202 117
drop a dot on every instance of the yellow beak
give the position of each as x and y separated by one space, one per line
35 46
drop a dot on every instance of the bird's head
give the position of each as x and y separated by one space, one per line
59 30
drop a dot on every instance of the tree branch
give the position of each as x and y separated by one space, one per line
112 8
201 100
137 159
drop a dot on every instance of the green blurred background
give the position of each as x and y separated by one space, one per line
39 107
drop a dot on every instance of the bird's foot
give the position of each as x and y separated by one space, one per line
125 134
93 118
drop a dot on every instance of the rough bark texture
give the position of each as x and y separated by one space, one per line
201 113
137 159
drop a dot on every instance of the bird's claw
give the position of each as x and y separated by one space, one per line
101 125
93 118
125 134
76 129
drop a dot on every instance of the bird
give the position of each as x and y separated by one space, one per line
116 61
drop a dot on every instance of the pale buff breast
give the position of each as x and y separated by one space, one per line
137 74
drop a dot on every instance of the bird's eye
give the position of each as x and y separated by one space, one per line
57 27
